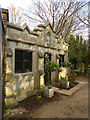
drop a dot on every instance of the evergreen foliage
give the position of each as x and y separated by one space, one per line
51 66
78 50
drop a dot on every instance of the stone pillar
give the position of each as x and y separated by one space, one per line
41 68
35 68
66 57
10 99
57 72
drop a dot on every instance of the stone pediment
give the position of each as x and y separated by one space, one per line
37 29
25 27
44 25
42 35
46 36
17 27
14 26
62 41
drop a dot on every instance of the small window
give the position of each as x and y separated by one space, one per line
23 61
61 59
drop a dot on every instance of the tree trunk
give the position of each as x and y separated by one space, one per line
86 65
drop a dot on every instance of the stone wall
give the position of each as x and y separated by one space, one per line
1 65
40 41
22 84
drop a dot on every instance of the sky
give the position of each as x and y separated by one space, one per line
23 3
27 4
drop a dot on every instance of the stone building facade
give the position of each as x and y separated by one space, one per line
1 65
26 54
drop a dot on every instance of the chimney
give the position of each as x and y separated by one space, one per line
5 16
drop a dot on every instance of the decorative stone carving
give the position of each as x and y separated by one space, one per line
41 54
48 37
25 26
9 52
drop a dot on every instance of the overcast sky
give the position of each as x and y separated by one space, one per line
26 4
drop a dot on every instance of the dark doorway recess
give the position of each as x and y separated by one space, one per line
61 59
47 57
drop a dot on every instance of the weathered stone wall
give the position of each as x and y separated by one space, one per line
40 41
20 85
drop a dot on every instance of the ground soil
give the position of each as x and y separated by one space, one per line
59 106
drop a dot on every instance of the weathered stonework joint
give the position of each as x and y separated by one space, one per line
41 54
58 56
37 29
9 77
34 33
9 52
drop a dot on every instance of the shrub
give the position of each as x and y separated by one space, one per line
66 64
88 70
78 72
50 66
72 77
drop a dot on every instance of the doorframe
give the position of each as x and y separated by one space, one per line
44 67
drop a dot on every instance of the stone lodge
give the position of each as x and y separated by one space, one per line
26 54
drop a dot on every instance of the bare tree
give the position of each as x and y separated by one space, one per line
16 15
62 16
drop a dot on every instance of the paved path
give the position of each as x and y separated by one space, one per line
74 106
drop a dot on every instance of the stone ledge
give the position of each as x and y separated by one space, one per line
71 91
14 26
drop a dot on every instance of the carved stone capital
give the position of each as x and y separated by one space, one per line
9 52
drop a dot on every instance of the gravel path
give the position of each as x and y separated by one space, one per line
75 106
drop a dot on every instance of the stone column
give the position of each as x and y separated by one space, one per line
10 99
35 69
41 68
66 57
57 73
